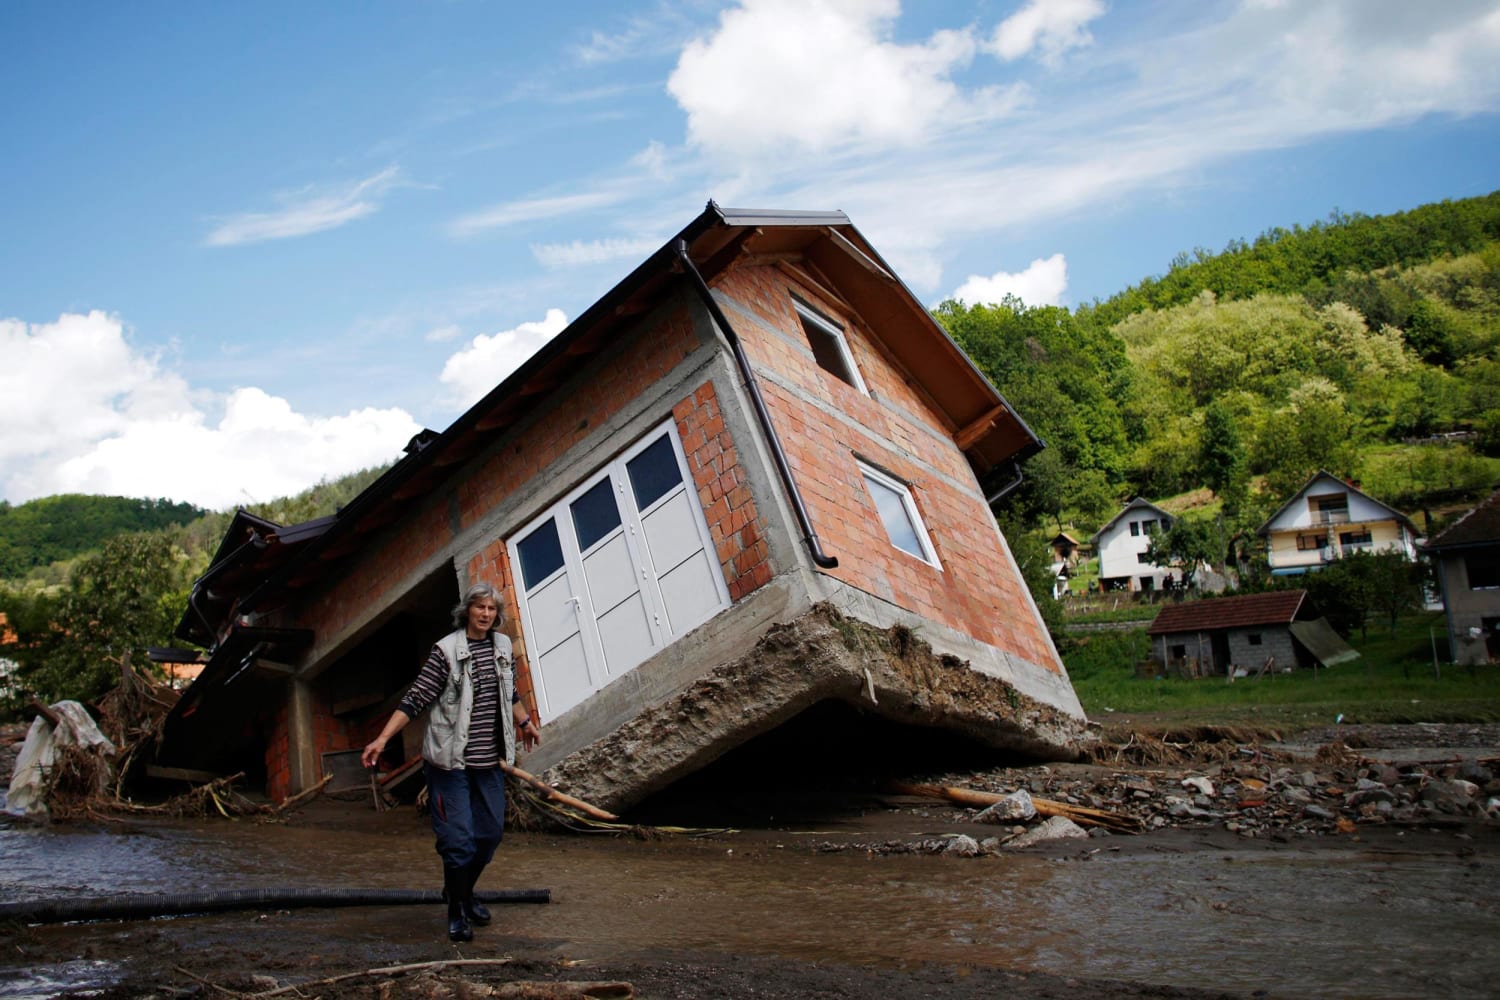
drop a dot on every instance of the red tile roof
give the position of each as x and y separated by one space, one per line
1277 607
1480 526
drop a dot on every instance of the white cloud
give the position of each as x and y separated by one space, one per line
529 210
474 371
85 412
306 212
579 252
816 74
1053 26
442 333
1044 283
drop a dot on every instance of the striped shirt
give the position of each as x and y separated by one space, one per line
485 740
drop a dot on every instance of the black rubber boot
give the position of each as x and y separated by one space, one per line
456 892
477 912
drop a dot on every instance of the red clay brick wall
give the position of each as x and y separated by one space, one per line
975 592
724 492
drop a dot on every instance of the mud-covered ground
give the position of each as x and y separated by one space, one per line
1365 792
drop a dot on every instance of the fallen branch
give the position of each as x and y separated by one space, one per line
389 970
555 795
302 796
1083 815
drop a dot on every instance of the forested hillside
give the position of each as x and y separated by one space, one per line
1367 346
60 527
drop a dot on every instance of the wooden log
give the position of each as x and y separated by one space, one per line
555 795
1044 807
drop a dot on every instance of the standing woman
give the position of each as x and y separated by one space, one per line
476 719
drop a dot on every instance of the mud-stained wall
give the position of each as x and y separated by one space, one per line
826 424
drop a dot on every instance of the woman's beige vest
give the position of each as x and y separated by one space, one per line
448 719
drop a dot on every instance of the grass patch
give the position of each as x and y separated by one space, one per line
1393 681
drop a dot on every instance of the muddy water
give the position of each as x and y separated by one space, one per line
1317 922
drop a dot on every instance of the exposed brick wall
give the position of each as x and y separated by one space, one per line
975 592
724 492
650 358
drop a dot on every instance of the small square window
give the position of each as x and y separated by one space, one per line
1143 557
1253 638
898 512
830 349
1135 529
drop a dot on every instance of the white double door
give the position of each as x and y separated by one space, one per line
615 571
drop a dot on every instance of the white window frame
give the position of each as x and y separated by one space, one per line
928 554
810 315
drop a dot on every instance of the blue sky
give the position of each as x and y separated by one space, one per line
247 247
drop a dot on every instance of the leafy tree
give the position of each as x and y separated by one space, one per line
120 600
1189 542
1349 590
1036 569
1221 453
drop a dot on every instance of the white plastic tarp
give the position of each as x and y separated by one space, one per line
28 784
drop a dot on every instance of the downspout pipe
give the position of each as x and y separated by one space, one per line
1005 488
762 415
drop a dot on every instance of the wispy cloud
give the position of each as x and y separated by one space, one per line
579 252
306 212
529 210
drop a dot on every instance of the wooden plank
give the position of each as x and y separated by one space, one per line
180 774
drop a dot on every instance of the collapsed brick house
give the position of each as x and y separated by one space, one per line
749 480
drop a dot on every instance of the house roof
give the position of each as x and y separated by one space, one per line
1276 607
983 424
1312 481
1480 526
1138 503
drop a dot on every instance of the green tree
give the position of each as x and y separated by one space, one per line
1221 452
116 603
1190 542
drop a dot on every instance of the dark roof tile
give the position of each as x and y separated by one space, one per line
1277 607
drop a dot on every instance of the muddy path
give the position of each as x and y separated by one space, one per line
856 896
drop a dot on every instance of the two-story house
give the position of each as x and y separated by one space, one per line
753 480
1122 543
1327 519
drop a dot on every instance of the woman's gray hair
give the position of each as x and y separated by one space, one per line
472 596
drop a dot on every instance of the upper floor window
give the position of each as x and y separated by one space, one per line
1355 537
830 348
1135 529
898 512
1483 571
1311 540
1332 508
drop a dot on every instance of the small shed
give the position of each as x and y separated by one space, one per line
1254 632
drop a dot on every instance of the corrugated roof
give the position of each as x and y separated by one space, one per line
1277 607
1480 526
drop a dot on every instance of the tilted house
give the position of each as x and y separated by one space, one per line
1327 519
1467 553
754 477
1122 545
1248 633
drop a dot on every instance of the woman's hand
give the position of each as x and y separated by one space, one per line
372 753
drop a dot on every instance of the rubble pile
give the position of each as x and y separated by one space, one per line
1248 790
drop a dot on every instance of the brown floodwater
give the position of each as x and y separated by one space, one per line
1318 922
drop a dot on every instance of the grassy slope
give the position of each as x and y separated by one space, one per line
1393 681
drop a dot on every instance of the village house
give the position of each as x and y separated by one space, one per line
1122 543
1327 519
1247 634
1467 553
754 478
